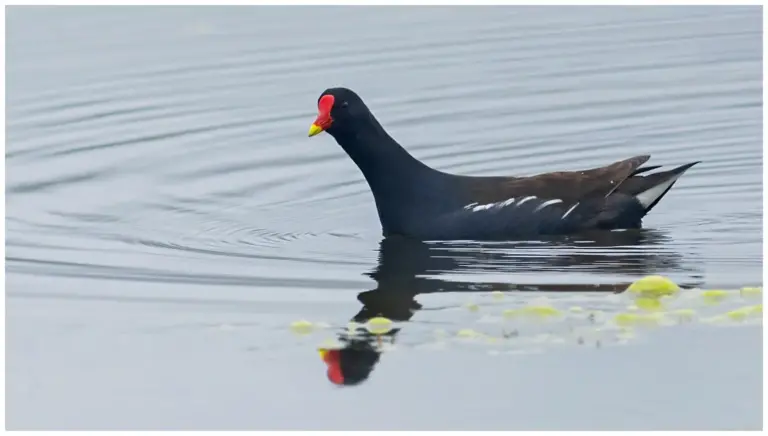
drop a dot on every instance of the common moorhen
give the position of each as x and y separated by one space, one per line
416 201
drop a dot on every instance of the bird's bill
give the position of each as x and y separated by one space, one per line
323 120
314 129
323 352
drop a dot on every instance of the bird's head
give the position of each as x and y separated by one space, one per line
339 110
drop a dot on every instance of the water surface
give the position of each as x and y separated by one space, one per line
167 218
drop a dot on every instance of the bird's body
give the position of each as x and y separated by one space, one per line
417 201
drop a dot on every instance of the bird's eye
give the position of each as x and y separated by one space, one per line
344 104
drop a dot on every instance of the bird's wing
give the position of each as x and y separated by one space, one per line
568 186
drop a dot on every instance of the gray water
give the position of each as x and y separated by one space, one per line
167 218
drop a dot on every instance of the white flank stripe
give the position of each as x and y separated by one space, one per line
547 203
525 199
569 211
474 207
482 207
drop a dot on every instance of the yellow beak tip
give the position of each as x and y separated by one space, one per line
314 130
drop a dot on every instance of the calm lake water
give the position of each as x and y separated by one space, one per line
167 218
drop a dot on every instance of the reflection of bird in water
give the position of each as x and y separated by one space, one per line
408 268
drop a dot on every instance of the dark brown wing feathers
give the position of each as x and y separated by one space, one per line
569 186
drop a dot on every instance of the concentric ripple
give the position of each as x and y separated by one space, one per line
173 146
168 221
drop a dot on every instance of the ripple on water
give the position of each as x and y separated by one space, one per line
190 158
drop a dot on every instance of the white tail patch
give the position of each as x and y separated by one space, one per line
647 197
568 212
547 203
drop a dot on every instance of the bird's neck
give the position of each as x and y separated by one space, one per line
381 159
402 185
